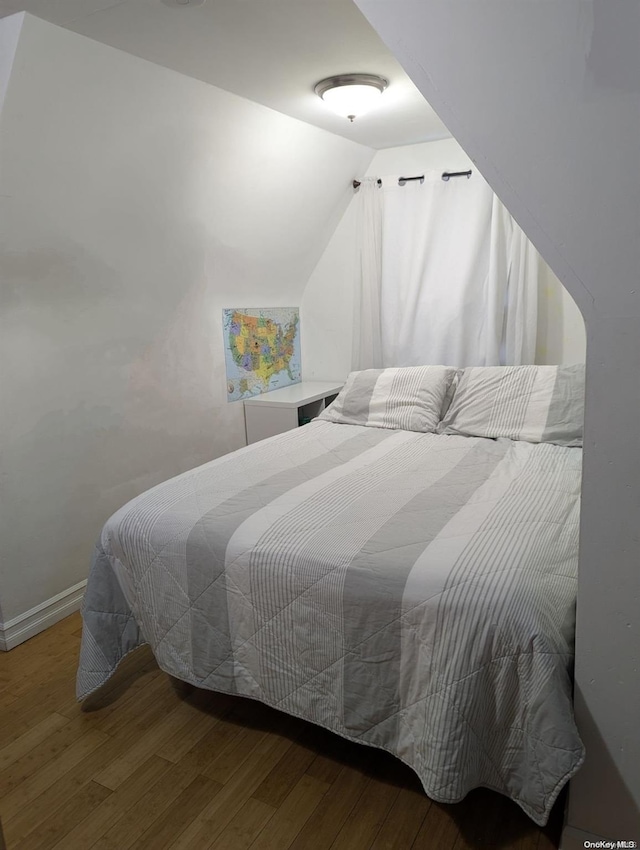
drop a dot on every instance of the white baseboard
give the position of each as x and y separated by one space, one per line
26 625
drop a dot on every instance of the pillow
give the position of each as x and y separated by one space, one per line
539 404
409 397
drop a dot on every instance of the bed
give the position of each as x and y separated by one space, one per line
381 572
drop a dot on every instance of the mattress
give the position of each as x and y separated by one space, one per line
409 591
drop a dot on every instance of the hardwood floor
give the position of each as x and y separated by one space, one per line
143 766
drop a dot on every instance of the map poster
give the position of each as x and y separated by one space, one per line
261 349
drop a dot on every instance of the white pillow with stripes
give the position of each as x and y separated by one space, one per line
538 404
408 398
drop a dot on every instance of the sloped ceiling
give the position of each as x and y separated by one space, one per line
269 51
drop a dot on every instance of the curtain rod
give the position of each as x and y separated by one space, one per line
357 183
446 175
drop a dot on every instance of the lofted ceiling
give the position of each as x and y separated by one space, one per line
269 51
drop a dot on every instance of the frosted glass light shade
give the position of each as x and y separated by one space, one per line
350 95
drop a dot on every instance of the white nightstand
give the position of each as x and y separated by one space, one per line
281 410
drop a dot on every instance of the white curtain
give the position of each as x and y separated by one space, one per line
367 328
521 313
455 280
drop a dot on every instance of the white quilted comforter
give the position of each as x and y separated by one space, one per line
410 591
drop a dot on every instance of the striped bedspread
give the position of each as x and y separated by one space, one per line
410 591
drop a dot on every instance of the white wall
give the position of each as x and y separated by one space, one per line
328 298
561 331
411 160
9 35
326 311
136 203
546 99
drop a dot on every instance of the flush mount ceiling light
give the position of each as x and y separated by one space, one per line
351 95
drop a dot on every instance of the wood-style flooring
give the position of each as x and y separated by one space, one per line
143 766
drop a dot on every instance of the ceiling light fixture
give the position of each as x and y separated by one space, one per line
350 95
